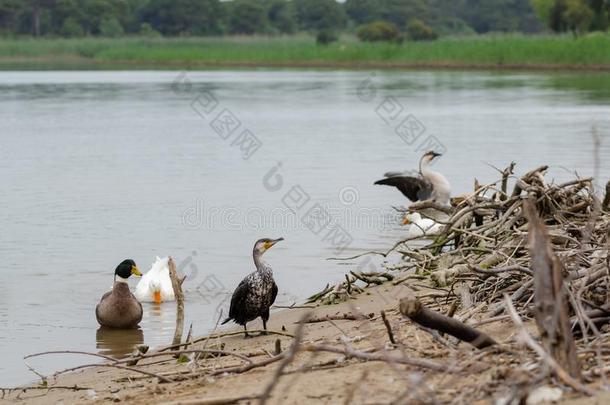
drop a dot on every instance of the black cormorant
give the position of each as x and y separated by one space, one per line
257 291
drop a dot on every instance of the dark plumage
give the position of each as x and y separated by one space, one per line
256 292
119 308
414 188
422 185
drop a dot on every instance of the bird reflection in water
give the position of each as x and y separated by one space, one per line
118 343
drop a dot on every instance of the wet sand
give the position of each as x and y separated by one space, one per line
313 377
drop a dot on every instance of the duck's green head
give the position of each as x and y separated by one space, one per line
127 268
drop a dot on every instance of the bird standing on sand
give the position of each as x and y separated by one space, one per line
257 291
425 185
119 308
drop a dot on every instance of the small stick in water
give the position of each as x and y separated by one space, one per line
179 302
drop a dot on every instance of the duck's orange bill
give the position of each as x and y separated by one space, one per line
405 221
157 296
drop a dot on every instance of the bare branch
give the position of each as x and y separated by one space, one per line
412 308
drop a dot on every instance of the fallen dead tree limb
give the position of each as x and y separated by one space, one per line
498 270
550 300
9 390
246 367
70 352
342 317
422 205
221 335
213 401
412 308
384 357
529 341
209 352
117 366
127 363
286 360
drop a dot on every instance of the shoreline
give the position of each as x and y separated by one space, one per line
123 386
82 63
316 377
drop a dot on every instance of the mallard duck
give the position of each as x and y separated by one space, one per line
256 293
156 285
424 185
420 226
119 308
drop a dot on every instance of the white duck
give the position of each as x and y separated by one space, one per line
156 286
421 226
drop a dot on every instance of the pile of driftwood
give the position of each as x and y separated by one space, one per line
332 294
490 244
483 252
495 245
517 248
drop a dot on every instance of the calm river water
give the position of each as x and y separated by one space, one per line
96 167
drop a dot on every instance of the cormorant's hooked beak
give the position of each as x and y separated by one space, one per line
269 244
135 271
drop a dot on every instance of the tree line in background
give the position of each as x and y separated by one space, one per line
370 19
577 16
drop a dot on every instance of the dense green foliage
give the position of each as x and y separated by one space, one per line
493 16
246 17
326 36
174 17
378 31
422 19
419 31
577 16
555 50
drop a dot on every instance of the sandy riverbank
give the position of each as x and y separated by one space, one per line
472 376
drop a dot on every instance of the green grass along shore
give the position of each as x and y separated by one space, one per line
493 51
